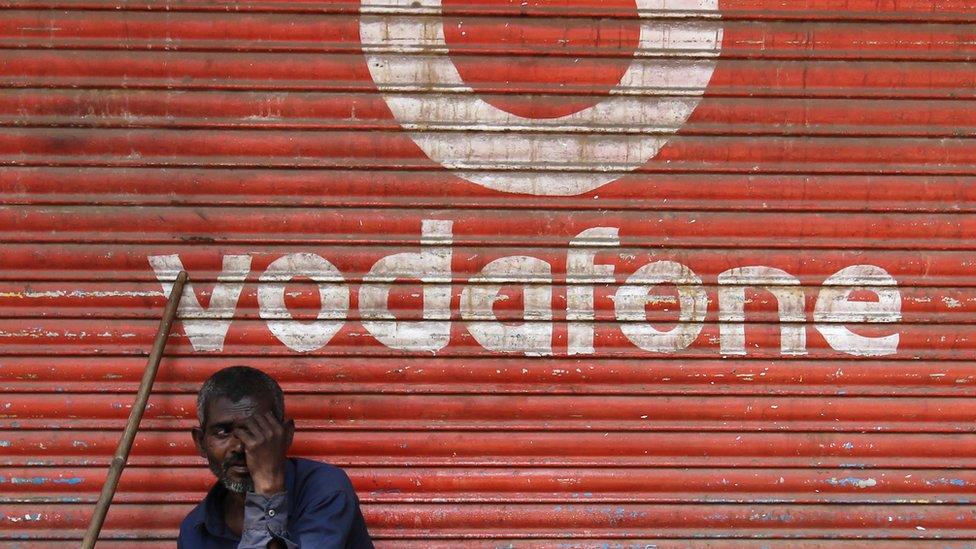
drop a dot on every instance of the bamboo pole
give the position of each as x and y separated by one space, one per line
135 416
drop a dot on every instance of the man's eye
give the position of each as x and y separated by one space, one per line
221 431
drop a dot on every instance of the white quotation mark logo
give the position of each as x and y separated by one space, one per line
569 155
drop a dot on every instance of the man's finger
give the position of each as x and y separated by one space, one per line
245 435
259 426
259 431
271 423
276 426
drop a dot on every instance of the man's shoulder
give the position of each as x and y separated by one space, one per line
192 520
326 490
320 476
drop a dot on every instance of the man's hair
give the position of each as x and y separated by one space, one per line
235 383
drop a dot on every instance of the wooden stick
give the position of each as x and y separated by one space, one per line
135 416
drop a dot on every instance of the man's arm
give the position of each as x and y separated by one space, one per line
266 522
330 517
266 510
327 518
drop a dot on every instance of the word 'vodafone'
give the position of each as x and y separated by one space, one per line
207 328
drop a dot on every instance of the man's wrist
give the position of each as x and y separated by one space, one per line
265 520
269 487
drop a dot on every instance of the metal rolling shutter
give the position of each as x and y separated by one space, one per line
249 143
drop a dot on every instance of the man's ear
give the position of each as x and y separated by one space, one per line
289 432
198 441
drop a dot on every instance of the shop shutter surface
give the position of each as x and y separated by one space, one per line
734 305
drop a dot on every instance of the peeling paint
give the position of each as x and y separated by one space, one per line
853 482
946 482
951 303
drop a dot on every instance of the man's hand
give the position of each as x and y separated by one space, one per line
265 443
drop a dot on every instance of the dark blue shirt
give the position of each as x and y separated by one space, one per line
319 509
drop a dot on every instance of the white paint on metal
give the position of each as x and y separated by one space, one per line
432 266
298 335
658 9
581 273
834 309
532 337
483 157
84 294
205 328
631 301
951 302
731 308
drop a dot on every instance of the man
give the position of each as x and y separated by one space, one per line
262 499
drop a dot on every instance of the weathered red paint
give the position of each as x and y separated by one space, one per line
501 448
588 521
674 485
528 412
832 133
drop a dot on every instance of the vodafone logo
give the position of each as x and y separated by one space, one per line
408 58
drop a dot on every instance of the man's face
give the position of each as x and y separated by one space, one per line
218 442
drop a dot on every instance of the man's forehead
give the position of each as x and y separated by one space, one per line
224 410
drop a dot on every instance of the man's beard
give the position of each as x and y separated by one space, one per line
220 471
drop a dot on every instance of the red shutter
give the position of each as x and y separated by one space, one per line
547 274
